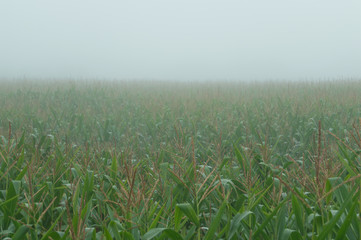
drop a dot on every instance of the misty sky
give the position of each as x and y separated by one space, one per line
180 39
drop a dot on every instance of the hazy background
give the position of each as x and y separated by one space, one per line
180 39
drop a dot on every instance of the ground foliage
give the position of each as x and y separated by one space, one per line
160 160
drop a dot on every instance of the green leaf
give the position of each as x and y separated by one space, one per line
343 161
107 234
48 233
328 227
188 210
235 224
269 218
341 192
156 231
115 231
287 233
281 221
224 161
53 236
114 168
20 233
297 210
215 223
177 218
346 223
126 235
10 203
20 162
86 211
156 219
240 158
22 173
190 233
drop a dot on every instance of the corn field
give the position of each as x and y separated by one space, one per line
161 160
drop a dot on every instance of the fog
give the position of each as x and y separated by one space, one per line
180 39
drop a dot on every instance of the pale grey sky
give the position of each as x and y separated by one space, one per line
180 39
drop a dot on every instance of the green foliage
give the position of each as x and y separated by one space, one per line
141 160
